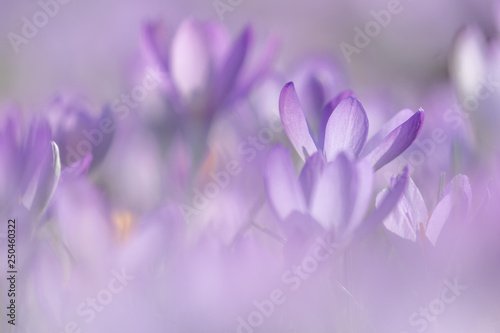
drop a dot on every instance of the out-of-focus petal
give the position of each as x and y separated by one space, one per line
294 122
362 187
311 172
403 221
346 129
282 185
332 198
190 59
396 142
77 169
453 209
233 64
386 204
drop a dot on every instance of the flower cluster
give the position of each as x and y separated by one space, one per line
216 197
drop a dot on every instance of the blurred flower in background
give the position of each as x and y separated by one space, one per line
233 166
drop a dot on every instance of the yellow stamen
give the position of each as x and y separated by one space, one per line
123 222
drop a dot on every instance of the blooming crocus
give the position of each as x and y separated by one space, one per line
336 195
29 164
420 235
206 70
344 128
80 130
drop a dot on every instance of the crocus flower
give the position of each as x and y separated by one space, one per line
29 164
80 129
344 128
206 70
336 195
420 235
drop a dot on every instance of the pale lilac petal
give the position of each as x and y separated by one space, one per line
439 217
396 142
232 65
460 186
386 204
362 187
294 122
327 112
398 119
311 172
190 59
257 70
282 184
451 211
155 42
404 220
332 198
50 172
346 130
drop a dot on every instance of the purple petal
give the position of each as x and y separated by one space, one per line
282 185
327 112
157 52
294 122
362 187
332 198
396 142
44 182
404 220
77 169
346 130
398 119
452 209
386 204
311 172
233 64
258 70
190 59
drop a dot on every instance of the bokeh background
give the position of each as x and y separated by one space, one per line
88 45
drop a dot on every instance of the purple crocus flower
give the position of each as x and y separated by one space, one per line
424 237
80 129
344 128
206 70
336 195
29 164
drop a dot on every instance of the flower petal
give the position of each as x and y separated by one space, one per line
282 185
327 112
452 209
332 199
311 172
294 122
346 129
233 63
396 142
362 187
403 221
190 59
398 119
386 204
